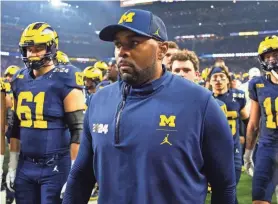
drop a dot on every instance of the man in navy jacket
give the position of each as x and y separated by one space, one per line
151 137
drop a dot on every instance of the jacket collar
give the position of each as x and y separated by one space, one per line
148 88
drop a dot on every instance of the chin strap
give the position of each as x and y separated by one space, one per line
274 74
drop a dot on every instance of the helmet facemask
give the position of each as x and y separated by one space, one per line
266 47
43 61
94 81
270 66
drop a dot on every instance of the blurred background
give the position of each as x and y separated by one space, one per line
230 30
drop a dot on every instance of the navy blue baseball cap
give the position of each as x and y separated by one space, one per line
142 22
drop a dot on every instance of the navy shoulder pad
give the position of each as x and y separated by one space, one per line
254 84
20 74
70 75
258 80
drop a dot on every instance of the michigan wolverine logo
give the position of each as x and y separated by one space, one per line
170 121
166 141
127 18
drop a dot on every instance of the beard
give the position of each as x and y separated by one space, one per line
136 76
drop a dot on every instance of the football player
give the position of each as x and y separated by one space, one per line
253 72
101 65
245 77
234 81
112 72
48 119
204 75
185 63
3 123
111 75
172 49
236 108
8 74
92 77
10 71
264 106
61 58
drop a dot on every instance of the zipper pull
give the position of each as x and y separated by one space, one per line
125 92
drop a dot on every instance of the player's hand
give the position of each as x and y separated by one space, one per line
249 168
1 169
10 179
63 191
1 177
12 170
248 162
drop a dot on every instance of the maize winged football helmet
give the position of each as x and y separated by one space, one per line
35 34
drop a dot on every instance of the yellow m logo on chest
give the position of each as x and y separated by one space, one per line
167 121
127 18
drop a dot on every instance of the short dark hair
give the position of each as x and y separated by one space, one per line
185 55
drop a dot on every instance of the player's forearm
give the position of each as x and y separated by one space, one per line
74 121
251 136
74 147
14 145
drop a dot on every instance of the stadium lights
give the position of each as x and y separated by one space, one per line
214 55
134 2
248 33
4 53
226 55
195 36
171 1
90 23
254 33
58 3
55 3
